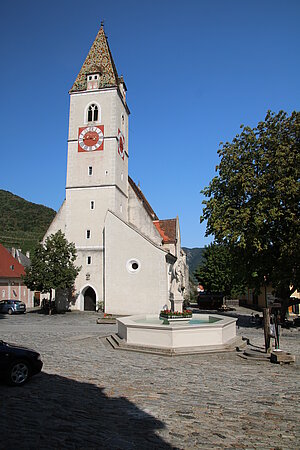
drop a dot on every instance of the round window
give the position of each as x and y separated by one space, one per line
133 265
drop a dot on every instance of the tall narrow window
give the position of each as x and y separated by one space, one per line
89 260
88 234
92 204
92 113
90 170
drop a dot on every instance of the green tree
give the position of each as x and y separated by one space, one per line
216 272
253 203
52 265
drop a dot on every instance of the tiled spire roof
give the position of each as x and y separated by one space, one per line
101 57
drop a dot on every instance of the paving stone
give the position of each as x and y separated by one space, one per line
91 396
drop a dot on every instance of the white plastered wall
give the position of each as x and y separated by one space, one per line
144 291
58 223
138 216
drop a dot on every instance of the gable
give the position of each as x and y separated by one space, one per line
9 266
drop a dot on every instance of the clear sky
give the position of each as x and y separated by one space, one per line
195 70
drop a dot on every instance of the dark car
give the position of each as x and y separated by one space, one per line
18 364
12 307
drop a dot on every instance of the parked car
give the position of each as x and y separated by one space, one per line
18 364
12 307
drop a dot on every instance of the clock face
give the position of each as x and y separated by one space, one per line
121 144
90 138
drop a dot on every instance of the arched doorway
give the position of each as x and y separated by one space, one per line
89 299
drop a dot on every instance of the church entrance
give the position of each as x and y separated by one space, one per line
89 297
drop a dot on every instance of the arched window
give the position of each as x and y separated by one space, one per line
92 113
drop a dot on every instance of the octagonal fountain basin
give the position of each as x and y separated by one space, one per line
203 334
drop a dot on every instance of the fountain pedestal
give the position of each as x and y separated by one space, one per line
177 304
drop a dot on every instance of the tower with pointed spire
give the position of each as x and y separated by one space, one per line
125 256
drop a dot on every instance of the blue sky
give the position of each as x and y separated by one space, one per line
194 70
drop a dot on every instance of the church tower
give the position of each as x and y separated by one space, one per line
126 254
97 170
97 167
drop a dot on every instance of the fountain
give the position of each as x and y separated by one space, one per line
204 333
176 332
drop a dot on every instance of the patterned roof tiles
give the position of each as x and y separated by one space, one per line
167 230
101 57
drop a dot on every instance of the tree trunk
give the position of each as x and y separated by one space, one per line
50 303
266 315
284 308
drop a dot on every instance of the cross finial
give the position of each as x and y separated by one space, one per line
102 23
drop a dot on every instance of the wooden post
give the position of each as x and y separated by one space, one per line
266 316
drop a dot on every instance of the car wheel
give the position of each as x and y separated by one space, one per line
10 311
19 373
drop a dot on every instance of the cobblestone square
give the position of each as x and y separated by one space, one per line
90 396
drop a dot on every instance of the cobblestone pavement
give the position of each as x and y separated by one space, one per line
90 396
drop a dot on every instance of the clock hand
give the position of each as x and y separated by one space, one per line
89 137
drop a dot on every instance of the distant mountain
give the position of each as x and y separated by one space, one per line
194 257
22 223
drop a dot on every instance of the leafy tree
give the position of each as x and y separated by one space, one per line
52 265
253 203
216 272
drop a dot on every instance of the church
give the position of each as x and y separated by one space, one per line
131 261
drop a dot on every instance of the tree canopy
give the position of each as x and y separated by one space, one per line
216 273
52 265
253 203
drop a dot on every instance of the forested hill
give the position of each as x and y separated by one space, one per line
194 257
22 223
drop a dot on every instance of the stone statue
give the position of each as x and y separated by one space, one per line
177 285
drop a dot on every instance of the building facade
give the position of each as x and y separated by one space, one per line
12 268
127 255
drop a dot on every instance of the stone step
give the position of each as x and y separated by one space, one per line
112 342
119 344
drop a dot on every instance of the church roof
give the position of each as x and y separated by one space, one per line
167 230
9 266
99 59
143 199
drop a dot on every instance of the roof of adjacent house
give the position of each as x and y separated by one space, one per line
23 259
167 230
9 266
99 59
143 199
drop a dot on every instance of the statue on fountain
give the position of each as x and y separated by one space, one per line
177 285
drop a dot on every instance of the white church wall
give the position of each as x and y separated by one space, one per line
129 291
138 216
58 223
90 275
81 218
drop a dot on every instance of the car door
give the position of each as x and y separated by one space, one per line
3 306
5 357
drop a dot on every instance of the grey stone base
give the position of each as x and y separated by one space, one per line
119 344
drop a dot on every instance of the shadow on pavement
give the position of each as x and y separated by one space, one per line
51 411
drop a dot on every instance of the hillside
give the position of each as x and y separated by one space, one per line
22 223
194 257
